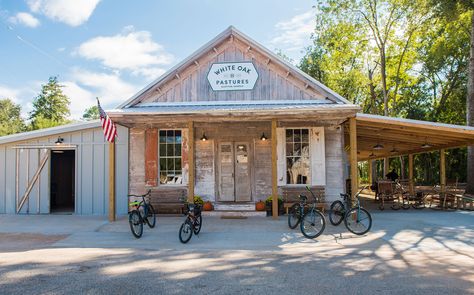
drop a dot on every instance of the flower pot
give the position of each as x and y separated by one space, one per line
260 206
208 206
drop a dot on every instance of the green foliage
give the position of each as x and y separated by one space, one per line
50 107
269 200
399 58
198 200
91 113
10 117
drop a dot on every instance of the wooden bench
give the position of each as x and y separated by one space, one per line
168 200
290 197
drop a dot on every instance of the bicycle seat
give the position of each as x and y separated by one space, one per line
344 195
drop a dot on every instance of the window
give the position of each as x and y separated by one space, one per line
170 157
297 156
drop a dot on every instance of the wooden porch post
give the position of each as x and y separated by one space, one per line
369 173
111 181
386 166
353 157
191 161
410 174
274 171
442 170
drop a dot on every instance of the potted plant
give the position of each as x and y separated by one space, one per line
207 206
260 206
268 205
198 200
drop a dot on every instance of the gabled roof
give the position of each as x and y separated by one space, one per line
49 131
232 31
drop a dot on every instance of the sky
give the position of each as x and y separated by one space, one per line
111 49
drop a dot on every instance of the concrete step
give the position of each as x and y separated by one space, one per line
234 207
235 213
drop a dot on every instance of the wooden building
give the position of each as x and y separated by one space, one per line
234 123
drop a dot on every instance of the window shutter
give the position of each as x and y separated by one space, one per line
151 157
281 165
318 156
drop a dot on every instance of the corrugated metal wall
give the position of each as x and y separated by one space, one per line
91 173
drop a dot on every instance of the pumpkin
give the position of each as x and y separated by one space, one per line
207 206
260 206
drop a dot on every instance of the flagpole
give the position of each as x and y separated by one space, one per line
112 181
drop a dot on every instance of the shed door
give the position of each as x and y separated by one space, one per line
226 172
242 172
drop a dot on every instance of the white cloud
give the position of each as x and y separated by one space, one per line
110 89
130 50
25 19
293 35
80 98
8 92
73 13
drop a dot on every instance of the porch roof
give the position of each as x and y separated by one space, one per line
397 136
262 109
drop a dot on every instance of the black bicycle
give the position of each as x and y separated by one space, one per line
142 212
192 223
356 219
311 220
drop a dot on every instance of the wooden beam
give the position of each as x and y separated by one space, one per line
353 157
112 181
442 170
274 170
191 161
410 175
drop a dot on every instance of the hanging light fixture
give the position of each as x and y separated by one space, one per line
203 138
378 146
426 144
263 137
394 150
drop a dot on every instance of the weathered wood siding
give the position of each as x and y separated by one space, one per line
334 163
191 84
205 182
91 173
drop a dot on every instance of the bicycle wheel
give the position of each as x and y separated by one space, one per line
294 216
198 224
312 224
336 213
186 231
136 224
358 221
151 217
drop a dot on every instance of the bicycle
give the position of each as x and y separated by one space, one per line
312 223
192 223
143 212
296 212
354 217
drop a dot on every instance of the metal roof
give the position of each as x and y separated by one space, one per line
231 30
49 131
229 106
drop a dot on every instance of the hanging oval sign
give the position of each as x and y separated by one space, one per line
232 76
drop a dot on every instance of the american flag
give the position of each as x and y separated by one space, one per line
110 132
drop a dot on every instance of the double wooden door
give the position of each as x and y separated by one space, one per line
234 172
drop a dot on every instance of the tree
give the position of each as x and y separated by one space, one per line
10 117
453 10
91 113
50 107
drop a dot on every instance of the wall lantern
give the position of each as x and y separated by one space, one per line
59 141
263 137
426 145
203 138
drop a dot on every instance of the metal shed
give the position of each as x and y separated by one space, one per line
62 169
